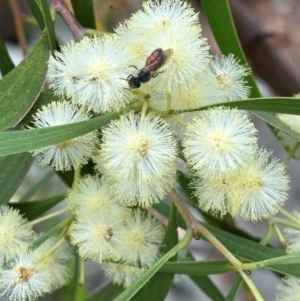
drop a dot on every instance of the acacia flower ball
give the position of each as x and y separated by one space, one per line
288 290
91 195
137 159
23 279
15 233
97 237
230 76
142 236
261 188
213 194
91 72
168 25
70 153
122 274
219 142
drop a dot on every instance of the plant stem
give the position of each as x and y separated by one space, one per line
252 287
178 119
144 108
286 223
268 234
43 218
81 271
77 174
196 226
280 236
77 30
169 105
291 153
290 216
58 243
158 216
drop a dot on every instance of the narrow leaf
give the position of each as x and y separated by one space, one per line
12 171
84 13
285 105
49 23
286 259
207 267
21 87
204 283
29 140
34 209
37 13
6 64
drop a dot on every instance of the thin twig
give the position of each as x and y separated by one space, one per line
158 216
196 226
77 30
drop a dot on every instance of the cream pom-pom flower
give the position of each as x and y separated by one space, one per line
97 237
15 233
213 194
170 25
92 73
70 153
142 237
230 76
219 141
23 279
137 159
260 189
91 195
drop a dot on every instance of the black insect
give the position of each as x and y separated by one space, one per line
153 62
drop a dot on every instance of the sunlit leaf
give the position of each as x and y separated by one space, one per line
29 140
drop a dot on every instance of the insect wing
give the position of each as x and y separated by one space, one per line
157 59
167 55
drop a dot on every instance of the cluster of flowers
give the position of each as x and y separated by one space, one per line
27 275
137 156
137 153
125 242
